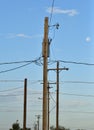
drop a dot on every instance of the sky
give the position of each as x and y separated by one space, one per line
21 38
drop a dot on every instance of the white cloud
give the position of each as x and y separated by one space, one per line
88 39
22 35
56 10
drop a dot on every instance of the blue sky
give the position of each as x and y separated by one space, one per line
21 36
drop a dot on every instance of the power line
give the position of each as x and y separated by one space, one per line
52 98
74 62
15 62
27 63
78 82
84 112
51 81
51 11
72 94
51 61
20 62
11 80
8 70
11 89
14 68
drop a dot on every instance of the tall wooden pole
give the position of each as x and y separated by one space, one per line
57 69
25 104
48 105
57 98
45 61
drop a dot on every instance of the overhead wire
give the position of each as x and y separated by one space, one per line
86 112
72 94
21 66
78 82
52 7
15 62
11 89
4 71
11 81
74 62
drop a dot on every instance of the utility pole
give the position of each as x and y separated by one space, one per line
38 117
48 105
45 62
25 104
35 127
57 98
57 92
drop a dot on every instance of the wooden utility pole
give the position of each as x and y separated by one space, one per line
48 106
45 62
25 104
38 121
57 92
57 98
38 117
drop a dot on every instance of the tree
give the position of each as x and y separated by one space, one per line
15 126
60 128
80 129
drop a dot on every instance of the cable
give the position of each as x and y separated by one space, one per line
73 62
52 98
51 11
78 82
52 109
39 60
11 95
72 94
90 112
11 89
15 62
11 80
18 66
4 71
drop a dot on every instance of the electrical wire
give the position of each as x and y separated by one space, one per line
15 62
52 109
77 82
84 112
11 89
72 94
51 11
11 95
73 62
39 60
29 62
52 98
4 71
11 80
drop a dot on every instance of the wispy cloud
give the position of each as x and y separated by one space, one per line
57 10
22 35
77 104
